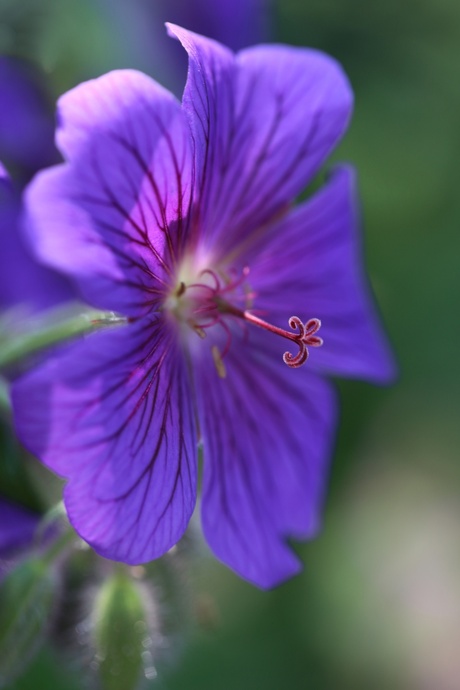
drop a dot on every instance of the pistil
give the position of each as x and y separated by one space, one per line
208 304
304 338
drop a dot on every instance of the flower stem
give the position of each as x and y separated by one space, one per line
38 335
60 545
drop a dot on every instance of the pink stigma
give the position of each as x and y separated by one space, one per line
305 336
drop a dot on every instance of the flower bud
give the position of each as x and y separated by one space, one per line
122 632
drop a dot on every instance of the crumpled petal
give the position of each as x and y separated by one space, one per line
263 122
113 416
17 527
116 216
311 266
267 434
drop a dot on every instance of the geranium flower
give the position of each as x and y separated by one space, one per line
237 23
23 281
17 528
26 145
26 122
181 219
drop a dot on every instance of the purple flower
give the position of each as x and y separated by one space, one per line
26 124
23 281
17 528
27 143
237 23
181 218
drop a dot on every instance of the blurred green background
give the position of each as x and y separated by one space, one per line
378 605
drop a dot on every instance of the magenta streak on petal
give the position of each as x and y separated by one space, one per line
127 194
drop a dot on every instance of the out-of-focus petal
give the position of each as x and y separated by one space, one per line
26 121
263 122
17 527
267 436
113 416
23 281
115 217
5 182
312 266
235 23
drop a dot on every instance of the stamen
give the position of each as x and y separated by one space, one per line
198 330
206 306
181 289
218 362
208 271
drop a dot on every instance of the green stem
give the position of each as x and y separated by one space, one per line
5 402
17 347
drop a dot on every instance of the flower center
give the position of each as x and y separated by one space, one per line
213 300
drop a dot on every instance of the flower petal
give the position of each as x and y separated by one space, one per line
112 415
236 23
23 281
263 122
311 266
5 180
115 217
17 527
267 436
26 120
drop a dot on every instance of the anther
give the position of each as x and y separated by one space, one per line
218 362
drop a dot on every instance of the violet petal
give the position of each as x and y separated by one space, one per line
263 121
116 217
311 265
24 282
17 527
112 415
267 436
26 121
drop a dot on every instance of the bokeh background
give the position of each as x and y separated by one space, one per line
378 605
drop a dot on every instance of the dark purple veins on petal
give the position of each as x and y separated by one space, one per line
263 123
113 416
123 199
